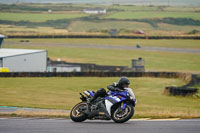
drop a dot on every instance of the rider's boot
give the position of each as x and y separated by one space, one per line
89 103
100 93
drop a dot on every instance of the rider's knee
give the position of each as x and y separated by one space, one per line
101 92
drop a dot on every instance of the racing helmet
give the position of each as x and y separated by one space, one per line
123 81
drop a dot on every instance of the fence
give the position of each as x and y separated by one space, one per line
184 76
105 36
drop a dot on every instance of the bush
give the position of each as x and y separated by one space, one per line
193 32
180 21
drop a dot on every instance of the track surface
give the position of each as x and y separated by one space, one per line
31 125
122 47
159 49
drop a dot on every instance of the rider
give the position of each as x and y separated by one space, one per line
120 86
123 83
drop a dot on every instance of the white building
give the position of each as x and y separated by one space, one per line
95 11
23 60
1 39
63 68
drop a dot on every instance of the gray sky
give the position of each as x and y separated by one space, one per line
135 2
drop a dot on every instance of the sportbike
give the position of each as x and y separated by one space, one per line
116 105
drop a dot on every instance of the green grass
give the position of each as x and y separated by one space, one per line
154 61
135 8
66 16
39 17
182 8
157 8
175 29
82 26
63 93
130 27
149 14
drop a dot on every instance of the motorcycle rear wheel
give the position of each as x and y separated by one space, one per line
77 116
121 116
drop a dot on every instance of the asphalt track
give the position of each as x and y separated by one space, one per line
155 49
6 109
122 47
31 125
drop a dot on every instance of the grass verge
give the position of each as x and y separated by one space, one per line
63 93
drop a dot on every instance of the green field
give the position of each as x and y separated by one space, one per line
81 26
63 93
39 17
126 19
157 8
150 14
130 27
154 61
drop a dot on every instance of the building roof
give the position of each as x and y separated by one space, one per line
2 36
6 52
63 65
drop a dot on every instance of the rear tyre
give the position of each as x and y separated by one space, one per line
121 116
76 115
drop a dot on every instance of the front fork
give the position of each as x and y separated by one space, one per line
123 105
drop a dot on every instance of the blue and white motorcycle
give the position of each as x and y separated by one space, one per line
116 105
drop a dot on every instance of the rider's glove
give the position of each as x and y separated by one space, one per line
117 89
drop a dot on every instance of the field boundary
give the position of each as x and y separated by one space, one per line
185 76
104 36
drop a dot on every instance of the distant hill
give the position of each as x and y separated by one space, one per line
131 2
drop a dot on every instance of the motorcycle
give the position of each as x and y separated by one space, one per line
116 105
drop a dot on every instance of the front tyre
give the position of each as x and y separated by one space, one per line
121 116
76 115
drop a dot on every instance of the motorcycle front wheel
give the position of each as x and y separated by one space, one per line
121 116
76 115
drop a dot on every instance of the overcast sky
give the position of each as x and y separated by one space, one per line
135 2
